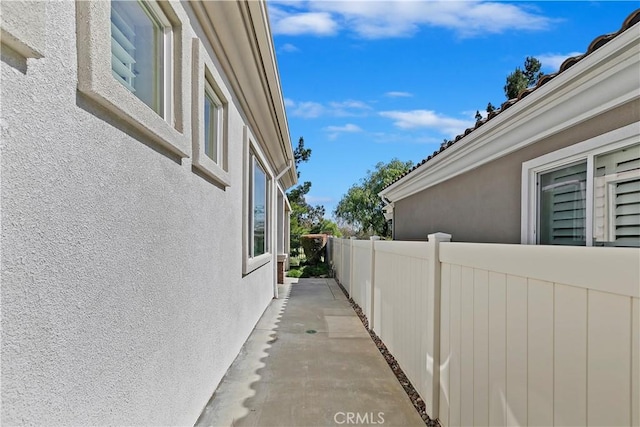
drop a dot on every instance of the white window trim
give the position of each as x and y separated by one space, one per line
586 150
96 81
249 262
205 74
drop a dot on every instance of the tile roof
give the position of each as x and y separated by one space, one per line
596 44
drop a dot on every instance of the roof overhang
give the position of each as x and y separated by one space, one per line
240 35
602 81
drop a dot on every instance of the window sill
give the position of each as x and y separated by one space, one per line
23 27
254 263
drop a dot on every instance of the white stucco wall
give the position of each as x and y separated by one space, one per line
123 299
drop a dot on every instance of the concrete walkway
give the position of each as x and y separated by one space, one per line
309 362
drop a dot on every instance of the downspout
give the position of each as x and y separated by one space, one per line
275 240
286 168
387 202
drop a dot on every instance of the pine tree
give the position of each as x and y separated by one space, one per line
520 79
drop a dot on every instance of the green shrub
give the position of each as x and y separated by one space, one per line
294 273
309 271
313 246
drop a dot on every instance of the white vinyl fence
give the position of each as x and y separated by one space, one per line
493 334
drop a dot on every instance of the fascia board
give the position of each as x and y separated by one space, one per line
600 82
262 30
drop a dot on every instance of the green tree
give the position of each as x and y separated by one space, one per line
304 217
301 154
532 70
478 116
326 226
520 79
490 108
361 207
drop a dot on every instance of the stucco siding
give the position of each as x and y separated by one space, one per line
123 298
483 205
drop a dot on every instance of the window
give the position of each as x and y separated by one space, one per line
258 218
562 206
212 124
585 195
141 52
130 54
257 245
210 116
617 198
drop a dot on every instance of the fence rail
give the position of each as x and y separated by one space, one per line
494 334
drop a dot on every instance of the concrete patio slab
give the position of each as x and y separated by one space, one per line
309 362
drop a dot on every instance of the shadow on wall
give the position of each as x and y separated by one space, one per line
13 59
240 386
100 112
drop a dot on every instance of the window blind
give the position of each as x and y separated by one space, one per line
617 198
627 220
122 51
563 206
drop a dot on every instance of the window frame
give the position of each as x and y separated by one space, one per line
95 79
253 154
583 151
157 16
539 195
205 77
255 163
214 130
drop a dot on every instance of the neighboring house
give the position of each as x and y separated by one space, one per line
558 165
145 158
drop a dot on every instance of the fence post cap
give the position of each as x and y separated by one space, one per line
439 237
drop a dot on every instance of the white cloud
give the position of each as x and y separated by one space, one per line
394 94
314 23
310 109
288 47
336 131
306 109
349 127
348 108
350 103
427 119
403 18
552 61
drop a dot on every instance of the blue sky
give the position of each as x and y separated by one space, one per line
367 81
